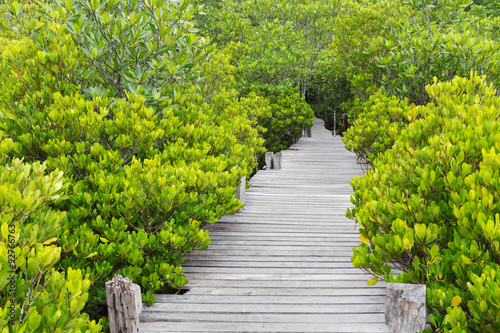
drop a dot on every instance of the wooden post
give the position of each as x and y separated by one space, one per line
277 161
124 305
309 132
269 160
334 121
241 190
345 119
405 307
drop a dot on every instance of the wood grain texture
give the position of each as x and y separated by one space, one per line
284 263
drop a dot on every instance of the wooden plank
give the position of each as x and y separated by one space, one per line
238 299
307 234
256 264
267 308
273 229
285 253
359 276
372 291
274 270
333 227
232 258
261 242
328 284
366 318
326 241
284 237
263 327
280 248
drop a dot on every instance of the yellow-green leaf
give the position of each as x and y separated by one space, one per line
372 281
456 301
364 239
5 231
466 260
50 241
93 254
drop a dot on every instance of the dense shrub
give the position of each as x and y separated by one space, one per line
148 49
140 185
377 126
399 46
273 42
485 8
357 23
288 114
429 207
430 39
35 295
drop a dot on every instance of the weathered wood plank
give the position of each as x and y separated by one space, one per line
372 291
272 270
261 326
287 228
290 234
264 264
290 300
232 258
268 308
348 282
247 250
359 276
285 241
367 318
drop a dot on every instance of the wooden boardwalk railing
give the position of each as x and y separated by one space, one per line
284 263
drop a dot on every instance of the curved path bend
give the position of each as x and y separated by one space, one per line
284 263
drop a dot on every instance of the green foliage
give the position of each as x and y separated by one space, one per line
274 47
141 186
328 93
340 73
485 291
429 207
284 41
288 115
485 8
489 14
430 40
400 46
36 296
133 46
356 24
377 127
221 20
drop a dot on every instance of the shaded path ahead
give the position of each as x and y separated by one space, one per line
284 263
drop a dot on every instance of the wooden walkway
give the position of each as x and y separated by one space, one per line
284 263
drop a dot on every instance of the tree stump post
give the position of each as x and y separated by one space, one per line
241 190
345 120
124 305
334 121
277 161
269 160
406 310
